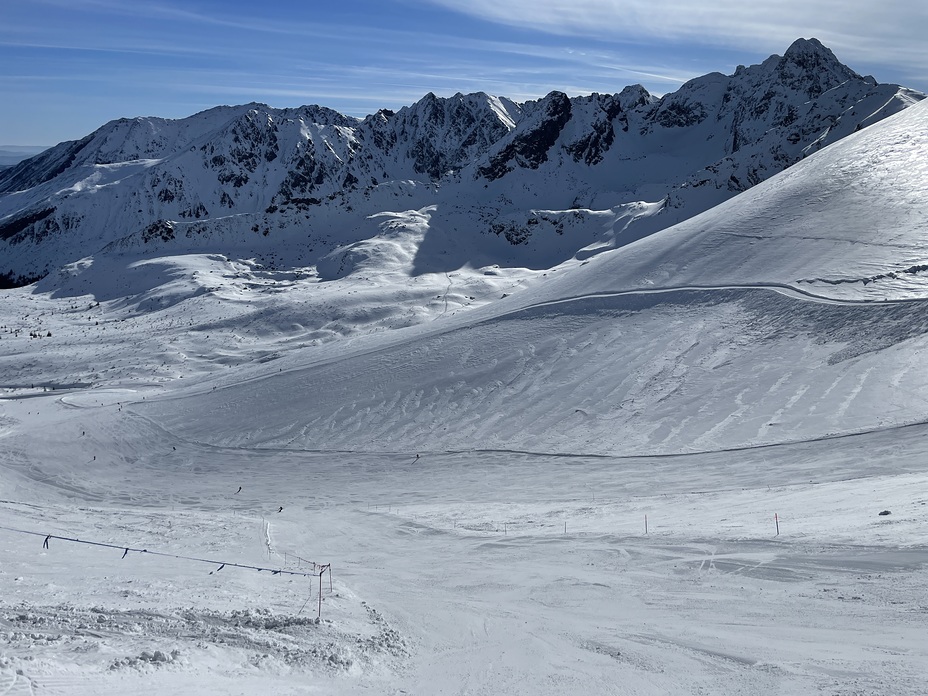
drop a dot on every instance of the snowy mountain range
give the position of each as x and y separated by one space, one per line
516 185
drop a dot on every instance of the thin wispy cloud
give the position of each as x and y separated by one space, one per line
890 31
151 50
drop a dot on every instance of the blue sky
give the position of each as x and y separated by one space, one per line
68 66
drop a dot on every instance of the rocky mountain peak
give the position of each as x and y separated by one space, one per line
805 49
809 67
634 96
442 134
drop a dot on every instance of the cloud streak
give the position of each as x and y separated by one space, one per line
855 28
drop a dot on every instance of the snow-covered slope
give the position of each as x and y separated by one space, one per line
520 185
850 222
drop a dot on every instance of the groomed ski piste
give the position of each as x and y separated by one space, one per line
695 464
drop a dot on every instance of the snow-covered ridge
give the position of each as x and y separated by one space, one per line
249 179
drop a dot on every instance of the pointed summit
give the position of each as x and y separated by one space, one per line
635 95
810 67
804 48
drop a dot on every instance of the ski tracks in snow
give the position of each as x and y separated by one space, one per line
782 289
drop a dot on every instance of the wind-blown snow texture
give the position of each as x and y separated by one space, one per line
477 448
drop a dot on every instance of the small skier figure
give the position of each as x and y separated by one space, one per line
238 491
280 509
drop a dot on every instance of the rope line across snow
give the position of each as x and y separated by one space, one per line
318 568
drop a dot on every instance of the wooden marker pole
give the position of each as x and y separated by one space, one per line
645 524
776 521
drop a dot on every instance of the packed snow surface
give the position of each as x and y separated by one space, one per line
694 464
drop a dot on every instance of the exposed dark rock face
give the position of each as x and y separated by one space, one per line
443 135
811 69
529 148
11 228
160 229
591 148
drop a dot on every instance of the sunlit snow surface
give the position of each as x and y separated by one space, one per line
765 358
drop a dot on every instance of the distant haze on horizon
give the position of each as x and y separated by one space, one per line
71 66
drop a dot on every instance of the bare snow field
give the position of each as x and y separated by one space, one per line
183 441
